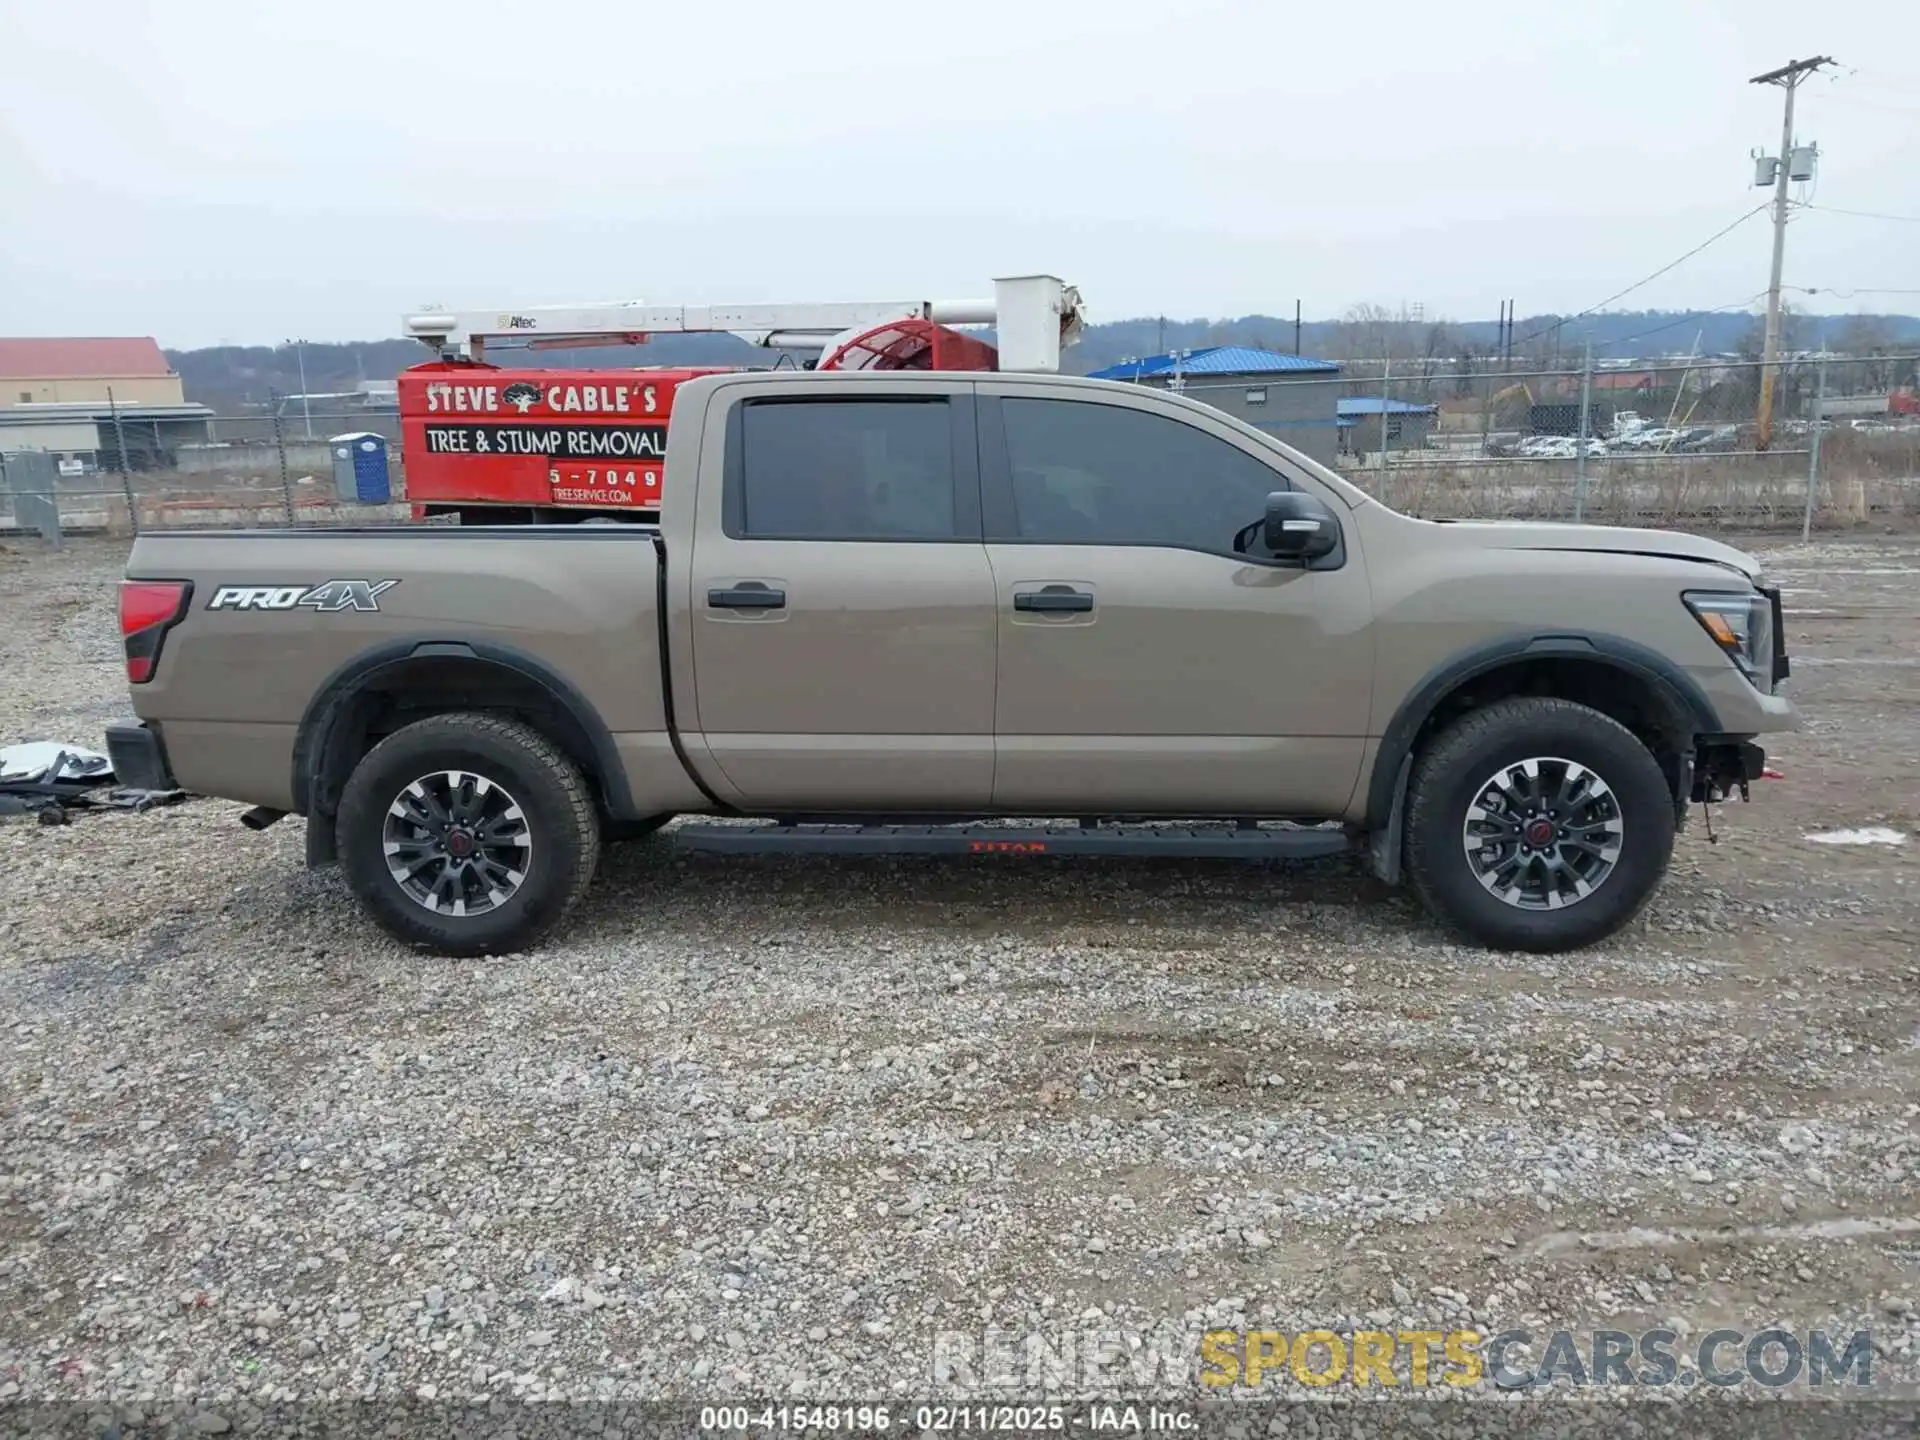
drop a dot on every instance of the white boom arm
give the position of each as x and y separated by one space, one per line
1034 314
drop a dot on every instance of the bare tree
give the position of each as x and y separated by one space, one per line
1867 337
1466 364
1365 331
1437 345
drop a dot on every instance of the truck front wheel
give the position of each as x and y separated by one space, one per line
468 834
1537 824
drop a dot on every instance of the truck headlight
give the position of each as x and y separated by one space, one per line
1742 625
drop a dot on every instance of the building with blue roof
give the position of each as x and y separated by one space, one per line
1291 397
1362 416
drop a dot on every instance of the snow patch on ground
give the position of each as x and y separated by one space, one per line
1870 835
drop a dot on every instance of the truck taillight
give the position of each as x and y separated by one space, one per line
148 609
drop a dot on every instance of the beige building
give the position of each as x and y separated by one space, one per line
59 371
53 398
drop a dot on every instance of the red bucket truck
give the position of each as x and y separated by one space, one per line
497 445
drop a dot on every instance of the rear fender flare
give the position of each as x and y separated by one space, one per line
347 682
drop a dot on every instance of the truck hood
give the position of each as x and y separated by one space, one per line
1605 540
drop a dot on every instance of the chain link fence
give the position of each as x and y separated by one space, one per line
271 469
1673 443
1667 444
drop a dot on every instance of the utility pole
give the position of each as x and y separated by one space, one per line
1813 457
1586 414
1296 327
1386 403
1788 78
306 405
126 465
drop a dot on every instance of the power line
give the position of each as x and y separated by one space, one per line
1684 319
1822 98
1903 80
1671 264
1849 294
1864 214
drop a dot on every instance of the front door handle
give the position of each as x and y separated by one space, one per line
1055 598
747 595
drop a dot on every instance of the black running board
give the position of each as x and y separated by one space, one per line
1224 841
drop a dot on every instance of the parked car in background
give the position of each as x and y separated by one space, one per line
1715 439
1560 447
1658 437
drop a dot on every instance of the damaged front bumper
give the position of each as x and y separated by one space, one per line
1724 764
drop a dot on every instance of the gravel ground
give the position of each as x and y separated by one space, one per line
774 1127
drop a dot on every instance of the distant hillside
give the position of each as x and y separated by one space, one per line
1368 332
236 378
233 379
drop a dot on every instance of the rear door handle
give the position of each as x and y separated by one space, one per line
1058 598
747 595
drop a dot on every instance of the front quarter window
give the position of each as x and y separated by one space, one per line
1086 473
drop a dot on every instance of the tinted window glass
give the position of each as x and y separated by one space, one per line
847 469
1103 474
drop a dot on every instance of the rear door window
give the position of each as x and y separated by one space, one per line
845 470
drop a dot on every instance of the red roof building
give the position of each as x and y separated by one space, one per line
60 370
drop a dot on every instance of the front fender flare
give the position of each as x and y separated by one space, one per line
1687 706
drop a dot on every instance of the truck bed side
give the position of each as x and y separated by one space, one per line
269 661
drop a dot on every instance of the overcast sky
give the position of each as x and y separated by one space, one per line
212 171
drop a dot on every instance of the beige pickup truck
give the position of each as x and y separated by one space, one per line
1012 617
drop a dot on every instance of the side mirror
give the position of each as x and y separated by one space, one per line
1299 527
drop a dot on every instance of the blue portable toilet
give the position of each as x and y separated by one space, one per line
360 468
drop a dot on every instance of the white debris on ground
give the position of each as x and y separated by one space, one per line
1869 835
36 759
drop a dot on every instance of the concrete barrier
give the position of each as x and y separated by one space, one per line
255 457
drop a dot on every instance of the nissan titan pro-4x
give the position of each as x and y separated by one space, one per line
1008 616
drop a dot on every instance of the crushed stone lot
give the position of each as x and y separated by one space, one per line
777 1127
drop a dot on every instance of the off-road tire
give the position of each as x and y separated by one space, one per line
548 787
1446 777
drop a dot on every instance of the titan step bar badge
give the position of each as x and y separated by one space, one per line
329 597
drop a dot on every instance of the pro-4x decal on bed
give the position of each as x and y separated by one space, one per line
329 597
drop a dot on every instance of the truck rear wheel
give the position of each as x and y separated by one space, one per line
468 834
1537 824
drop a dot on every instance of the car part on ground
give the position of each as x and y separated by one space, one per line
51 780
